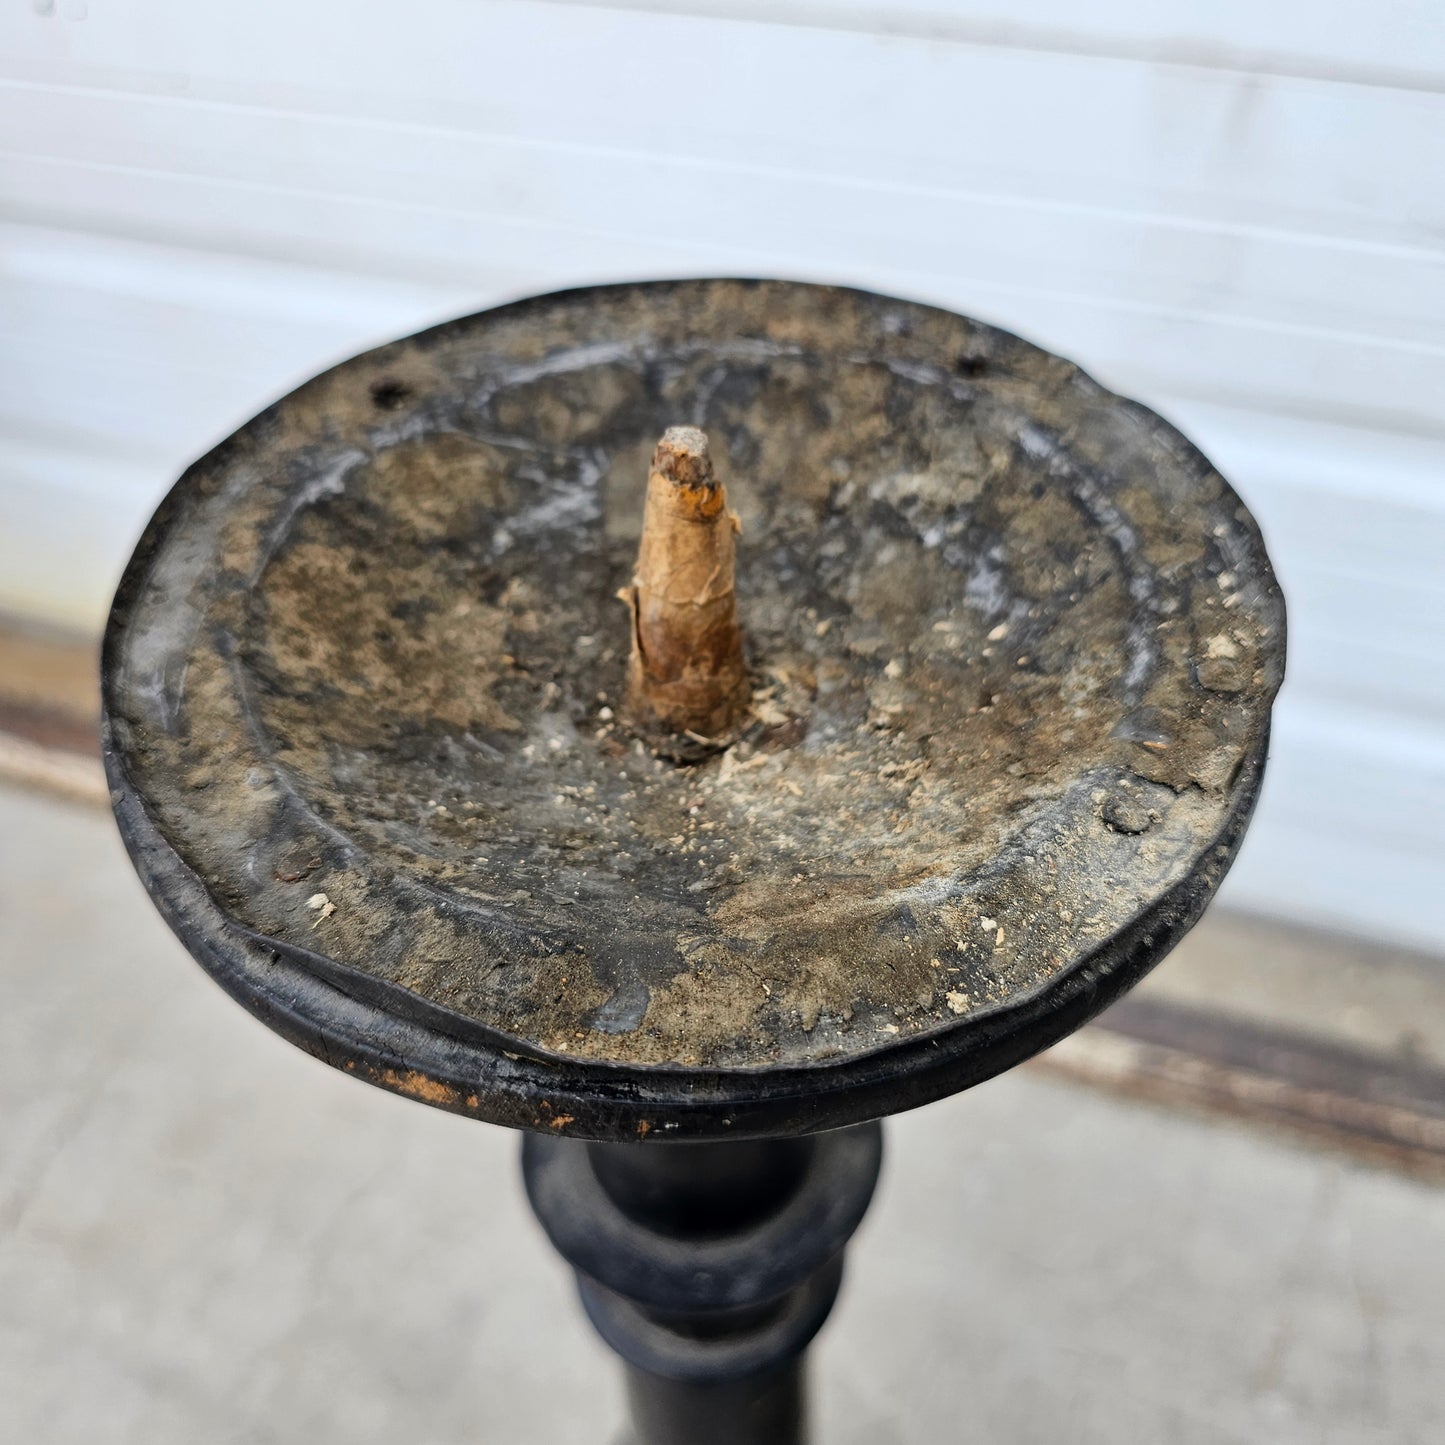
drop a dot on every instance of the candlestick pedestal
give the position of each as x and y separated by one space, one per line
386 754
707 1267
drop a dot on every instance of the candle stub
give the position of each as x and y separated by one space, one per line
687 681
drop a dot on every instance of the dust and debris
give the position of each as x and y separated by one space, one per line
322 906
378 633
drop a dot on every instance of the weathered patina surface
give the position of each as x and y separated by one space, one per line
1013 645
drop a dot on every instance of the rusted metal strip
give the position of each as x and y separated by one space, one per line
1388 1109
59 771
49 714
51 728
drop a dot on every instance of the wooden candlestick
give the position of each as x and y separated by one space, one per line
1016 643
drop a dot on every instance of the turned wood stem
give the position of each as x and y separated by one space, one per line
686 676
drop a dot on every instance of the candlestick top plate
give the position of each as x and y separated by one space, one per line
1013 644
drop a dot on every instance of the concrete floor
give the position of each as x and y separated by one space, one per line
207 1237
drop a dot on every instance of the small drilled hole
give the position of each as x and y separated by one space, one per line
389 393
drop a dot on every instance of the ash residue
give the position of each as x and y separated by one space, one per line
1011 645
